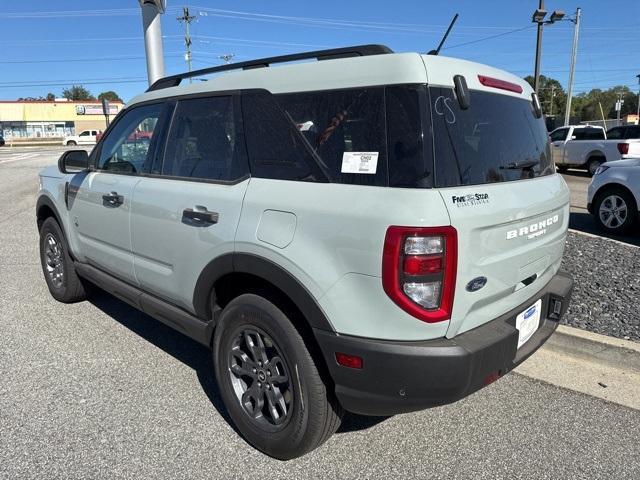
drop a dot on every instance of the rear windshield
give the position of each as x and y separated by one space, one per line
497 139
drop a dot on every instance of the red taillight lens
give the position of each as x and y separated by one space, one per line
497 83
422 265
351 361
419 270
623 148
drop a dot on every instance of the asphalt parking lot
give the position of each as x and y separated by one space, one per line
100 390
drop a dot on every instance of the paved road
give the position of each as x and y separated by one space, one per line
99 390
581 219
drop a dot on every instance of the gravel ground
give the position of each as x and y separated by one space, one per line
607 286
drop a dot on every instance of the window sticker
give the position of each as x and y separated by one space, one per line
359 162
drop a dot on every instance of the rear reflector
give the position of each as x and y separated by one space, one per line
351 361
497 83
623 148
421 265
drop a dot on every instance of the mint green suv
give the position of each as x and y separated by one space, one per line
363 231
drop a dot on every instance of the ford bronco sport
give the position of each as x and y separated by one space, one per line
366 231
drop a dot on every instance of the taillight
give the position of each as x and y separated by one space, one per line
419 270
623 148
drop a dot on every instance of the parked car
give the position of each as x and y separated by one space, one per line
86 137
587 147
624 132
614 195
375 232
2 141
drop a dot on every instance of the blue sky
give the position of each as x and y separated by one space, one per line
47 45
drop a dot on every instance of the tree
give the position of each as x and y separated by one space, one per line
51 96
110 95
77 92
552 96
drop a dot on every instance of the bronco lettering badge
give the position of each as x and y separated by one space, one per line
534 230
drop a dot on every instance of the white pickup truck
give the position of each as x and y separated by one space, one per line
587 147
86 137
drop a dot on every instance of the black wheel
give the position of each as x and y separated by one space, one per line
57 265
594 163
562 168
269 382
615 210
72 143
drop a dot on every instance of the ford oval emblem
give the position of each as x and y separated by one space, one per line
476 284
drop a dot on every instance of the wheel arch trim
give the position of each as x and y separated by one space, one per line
267 270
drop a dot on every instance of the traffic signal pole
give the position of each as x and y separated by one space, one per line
574 54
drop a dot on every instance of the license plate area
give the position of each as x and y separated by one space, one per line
528 321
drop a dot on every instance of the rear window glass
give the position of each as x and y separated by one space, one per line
345 129
497 139
588 134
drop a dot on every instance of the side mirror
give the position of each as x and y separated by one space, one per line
73 161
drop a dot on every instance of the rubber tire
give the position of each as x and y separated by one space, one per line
315 419
72 143
562 168
593 163
632 210
72 289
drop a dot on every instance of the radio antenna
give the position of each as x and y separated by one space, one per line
437 50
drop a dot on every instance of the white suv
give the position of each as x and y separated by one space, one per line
371 232
614 195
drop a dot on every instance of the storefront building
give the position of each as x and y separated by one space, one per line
46 119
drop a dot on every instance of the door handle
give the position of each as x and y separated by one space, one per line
199 216
112 199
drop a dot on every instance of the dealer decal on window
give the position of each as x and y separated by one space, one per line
359 162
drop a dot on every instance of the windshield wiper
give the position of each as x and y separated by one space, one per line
520 165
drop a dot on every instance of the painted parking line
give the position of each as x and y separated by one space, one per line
23 156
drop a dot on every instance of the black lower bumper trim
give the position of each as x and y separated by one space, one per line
400 377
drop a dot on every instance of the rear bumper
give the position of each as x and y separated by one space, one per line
399 377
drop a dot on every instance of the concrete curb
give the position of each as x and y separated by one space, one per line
617 353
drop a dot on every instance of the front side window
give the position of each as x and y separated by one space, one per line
205 141
126 148
559 135
497 139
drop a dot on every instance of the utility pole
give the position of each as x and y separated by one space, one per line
638 113
187 19
151 11
619 107
553 88
574 54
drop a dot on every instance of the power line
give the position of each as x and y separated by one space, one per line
187 19
489 37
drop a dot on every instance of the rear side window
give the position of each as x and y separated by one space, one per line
632 132
616 134
205 141
274 144
497 139
346 130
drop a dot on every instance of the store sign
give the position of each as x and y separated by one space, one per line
95 109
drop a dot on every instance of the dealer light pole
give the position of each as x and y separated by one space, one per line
151 11
638 114
538 17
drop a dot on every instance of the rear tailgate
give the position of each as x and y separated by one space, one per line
511 233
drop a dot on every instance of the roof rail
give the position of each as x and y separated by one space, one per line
330 54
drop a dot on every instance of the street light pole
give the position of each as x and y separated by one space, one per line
151 11
638 113
536 75
574 54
